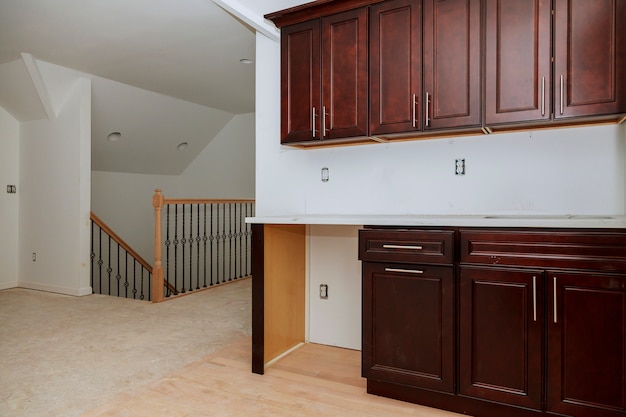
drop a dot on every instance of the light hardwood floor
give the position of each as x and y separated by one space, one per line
315 380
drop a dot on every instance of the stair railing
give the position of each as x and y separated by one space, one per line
206 243
116 269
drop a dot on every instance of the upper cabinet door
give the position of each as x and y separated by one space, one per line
452 45
517 56
300 82
590 57
395 67
344 75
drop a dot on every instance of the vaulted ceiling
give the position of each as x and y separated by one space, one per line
163 72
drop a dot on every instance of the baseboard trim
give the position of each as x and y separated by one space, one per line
7 285
78 292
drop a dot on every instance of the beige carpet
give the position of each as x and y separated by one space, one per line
63 355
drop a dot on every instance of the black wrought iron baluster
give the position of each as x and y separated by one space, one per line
167 251
190 247
204 239
118 277
141 296
217 243
176 241
240 235
183 241
100 261
224 242
230 243
134 279
211 238
198 247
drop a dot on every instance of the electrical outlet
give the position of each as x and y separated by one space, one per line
325 175
11 189
323 291
34 257
459 167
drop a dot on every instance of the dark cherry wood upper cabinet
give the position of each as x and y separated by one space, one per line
300 82
324 80
395 67
590 57
518 52
452 62
344 75
501 316
586 364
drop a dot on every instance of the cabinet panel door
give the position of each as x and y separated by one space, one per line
300 82
500 347
395 66
452 63
344 74
518 51
408 328
590 57
586 344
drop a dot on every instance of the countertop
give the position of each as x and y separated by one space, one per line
487 220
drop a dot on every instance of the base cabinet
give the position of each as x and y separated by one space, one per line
496 322
586 361
398 300
500 345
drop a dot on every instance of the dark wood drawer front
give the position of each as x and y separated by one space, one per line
601 251
424 246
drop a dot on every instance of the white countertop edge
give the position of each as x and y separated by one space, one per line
569 221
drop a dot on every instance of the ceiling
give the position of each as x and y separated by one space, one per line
163 72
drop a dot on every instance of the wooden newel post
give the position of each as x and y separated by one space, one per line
157 269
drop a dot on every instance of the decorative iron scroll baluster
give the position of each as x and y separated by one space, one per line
204 239
107 250
223 243
211 237
198 247
183 241
230 243
167 251
176 247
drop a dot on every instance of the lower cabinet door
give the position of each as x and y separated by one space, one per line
586 344
500 346
408 328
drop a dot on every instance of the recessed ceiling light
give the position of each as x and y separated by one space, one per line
246 61
114 136
182 146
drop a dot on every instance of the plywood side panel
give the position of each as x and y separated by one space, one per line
284 287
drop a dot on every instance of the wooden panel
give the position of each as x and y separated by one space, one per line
300 82
284 287
452 63
590 55
416 246
587 345
395 67
344 74
408 326
501 335
518 51
583 249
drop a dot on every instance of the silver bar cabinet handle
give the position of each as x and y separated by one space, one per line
313 118
408 271
554 299
402 247
534 298
427 104
543 96
414 105
323 121
562 94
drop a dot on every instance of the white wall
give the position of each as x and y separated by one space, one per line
225 168
9 175
54 172
556 171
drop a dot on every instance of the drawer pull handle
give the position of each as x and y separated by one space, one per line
402 247
555 310
534 298
408 271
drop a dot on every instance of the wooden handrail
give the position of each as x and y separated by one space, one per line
205 201
120 241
